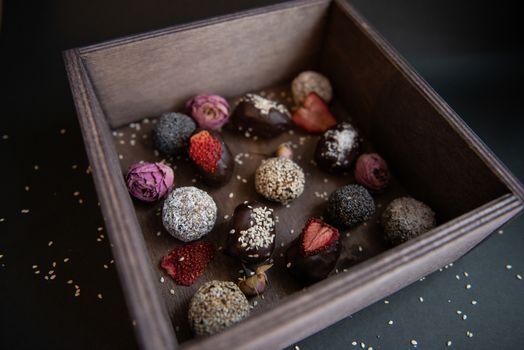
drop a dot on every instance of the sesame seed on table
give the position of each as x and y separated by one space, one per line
58 284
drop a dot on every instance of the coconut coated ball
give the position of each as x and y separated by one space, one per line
189 213
310 81
216 306
349 206
406 218
172 131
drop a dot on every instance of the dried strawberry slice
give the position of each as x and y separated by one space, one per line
185 264
314 115
317 236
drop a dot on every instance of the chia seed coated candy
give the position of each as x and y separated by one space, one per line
189 213
216 306
279 179
406 218
349 206
172 132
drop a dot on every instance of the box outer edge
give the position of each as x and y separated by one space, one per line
153 327
480 148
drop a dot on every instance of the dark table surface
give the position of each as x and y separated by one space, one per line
50 222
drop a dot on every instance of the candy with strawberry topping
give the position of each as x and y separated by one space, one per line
185 264
314 254
314 115
211 157
308 82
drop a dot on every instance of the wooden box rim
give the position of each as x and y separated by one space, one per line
318 306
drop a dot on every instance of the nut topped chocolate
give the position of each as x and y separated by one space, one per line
252 235
211 156
259 116
338 147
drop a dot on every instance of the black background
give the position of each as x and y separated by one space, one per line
469 51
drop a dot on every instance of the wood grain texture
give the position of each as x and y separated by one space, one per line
127 242
162 72
433 154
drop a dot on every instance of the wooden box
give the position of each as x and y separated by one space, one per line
434 156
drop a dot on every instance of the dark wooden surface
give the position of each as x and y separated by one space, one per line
89 322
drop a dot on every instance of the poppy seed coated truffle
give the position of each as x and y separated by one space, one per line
349 206
406 218
172 131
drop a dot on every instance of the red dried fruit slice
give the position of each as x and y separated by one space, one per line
317 236
185 264
314 115
205 150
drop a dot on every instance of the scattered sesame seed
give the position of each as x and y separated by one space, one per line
76 193
501 232
162 279
448 343
62 131
70 282
414 342
52 277
354 343
297 347
36 167
473 302
390 322
469 334
99 295
226 217
466 274
509 267
468 286
421 299
27 188
464 317
288 265
24 211
459 312
105 266
172 291
5 137
386 301
231 195
50 243
519 277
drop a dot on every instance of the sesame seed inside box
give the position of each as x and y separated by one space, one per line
120 87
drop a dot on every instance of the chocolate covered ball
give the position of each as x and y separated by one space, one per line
406 218
372 172
189 213
279 179
211 157
259 116
349 206
216 306
310 81
171 133
252 235
338 147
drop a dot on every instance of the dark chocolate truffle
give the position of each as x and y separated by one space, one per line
216 306
211 157
349 206
171 133
252 236
258 116
314 254
279 179
372 172
338 147
406 218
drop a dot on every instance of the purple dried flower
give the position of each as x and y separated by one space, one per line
372 172
149 181
209 111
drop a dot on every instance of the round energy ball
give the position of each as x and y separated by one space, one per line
406 218
189 213
279 179
216 306
310 81
349 206
172 131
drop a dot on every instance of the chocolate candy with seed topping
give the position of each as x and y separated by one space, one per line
211 157
258 116
338 147
252 234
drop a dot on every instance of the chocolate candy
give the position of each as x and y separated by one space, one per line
311 268
211 156
259 116
338 147
349 206
252 236
314 254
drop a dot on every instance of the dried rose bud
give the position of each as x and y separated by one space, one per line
209 111
284 151
255 284
372 172
149 181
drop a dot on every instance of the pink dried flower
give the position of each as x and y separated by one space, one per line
209 111
149 181
372 171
